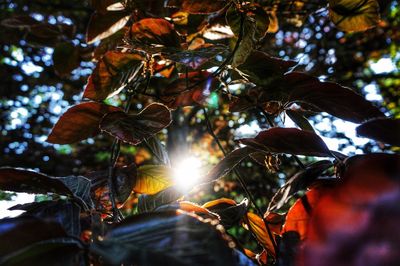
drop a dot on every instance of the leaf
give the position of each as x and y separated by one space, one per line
158 150
135 128
189 207
197 57
329 97
165 238
112 73
299 215
198 6
354 15
300 181
80 186
151 179
228 163
262 68
102 5
253 23
288 140
148 203
66 57
188 92
155 31
256 225
66 213
103 25
26 240
23 180
229 211
79 122
300 120
386 130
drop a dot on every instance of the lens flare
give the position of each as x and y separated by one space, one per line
187 173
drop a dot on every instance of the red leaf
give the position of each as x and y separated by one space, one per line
382 129
289 140
79 122
102 25
135 128
111 75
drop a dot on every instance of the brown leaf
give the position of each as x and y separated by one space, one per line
155 31
112 73
103 25
289 140
386 130
79 122
66 57
135 128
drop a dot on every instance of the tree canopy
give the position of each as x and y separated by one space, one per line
189 132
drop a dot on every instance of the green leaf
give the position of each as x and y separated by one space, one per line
354 15
151 179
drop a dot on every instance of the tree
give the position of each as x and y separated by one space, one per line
162 79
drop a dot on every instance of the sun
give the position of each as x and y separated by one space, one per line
187 173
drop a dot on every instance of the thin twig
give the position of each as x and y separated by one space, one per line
241 180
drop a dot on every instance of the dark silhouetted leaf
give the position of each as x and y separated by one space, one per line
298 182
329 97
262 68
354 15
66 213
66 57
112 73
29 240
135 128
289 140
23 180
103 25
155 31
148 203
79 122
386 130
166 238
80 186
158 149
198 6
229 163
300 120
229 211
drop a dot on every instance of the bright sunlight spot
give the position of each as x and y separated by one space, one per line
187 173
